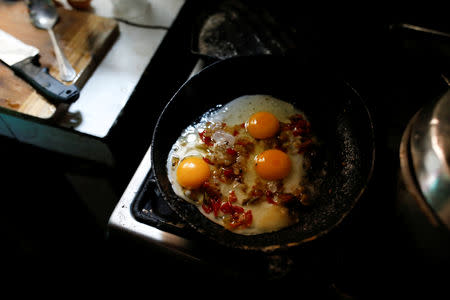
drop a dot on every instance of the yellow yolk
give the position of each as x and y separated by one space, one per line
262 125
273 164
192 172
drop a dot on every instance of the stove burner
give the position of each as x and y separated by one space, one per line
149 208
372 240
236 28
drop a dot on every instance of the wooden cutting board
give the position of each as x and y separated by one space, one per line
84 38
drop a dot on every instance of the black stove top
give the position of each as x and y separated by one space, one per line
370 252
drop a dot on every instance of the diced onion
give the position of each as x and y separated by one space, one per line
222 137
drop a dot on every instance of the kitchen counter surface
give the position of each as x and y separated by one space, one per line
56 206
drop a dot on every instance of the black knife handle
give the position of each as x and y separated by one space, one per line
44 83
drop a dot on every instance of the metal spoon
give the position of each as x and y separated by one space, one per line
44 15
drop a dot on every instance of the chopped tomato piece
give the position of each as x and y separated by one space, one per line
241 220
206 208
226 207
208 161
232 197
206 139
304 146
228 172
231 151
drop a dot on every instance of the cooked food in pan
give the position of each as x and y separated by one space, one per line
245 164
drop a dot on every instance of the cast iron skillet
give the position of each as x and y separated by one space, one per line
338 117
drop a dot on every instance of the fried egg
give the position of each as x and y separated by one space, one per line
243 164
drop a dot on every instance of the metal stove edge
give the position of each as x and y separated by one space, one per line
123 221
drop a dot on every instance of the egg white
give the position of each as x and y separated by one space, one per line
241 109
266 217
188 144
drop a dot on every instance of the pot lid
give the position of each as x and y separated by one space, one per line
430 152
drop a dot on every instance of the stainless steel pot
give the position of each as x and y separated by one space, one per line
424 192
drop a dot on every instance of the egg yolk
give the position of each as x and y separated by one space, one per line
192 172
262 125
273 164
